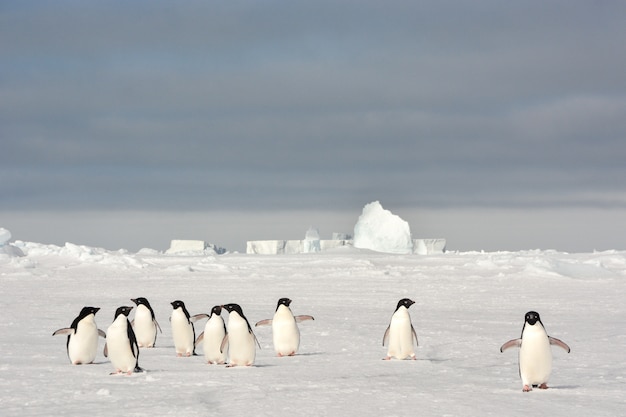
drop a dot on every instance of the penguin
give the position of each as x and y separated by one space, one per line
535 355
82 337
285 332
239 337
212 337
400 333
121 344
183 331
145 324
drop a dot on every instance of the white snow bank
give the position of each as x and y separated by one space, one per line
193 247
382 231
7 248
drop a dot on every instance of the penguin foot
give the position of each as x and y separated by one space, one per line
527 388
387 358
543 386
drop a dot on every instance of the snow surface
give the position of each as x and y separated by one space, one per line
381 230
467 305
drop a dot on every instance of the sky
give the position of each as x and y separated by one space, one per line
126 124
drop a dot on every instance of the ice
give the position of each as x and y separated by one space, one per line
467 305
382 231
6 248
311 241
5 236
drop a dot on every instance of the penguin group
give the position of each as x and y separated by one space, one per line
234 343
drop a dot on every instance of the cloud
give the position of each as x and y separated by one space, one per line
241 104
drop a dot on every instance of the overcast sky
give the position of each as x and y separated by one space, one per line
250 107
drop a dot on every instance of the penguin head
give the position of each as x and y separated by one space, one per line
283 302
125 310
233 308
532 317
84 312
87 311
216 310
141 301
405 302
179 304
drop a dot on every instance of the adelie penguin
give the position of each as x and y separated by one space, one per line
212 337
535 355
121 347
183 332
240 338
145 324
285 332
400 333
82 337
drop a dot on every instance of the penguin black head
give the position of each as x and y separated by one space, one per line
216 310
87 311
125 310
141 300
283 302
84 312
532 317
179 304
233 307
405 302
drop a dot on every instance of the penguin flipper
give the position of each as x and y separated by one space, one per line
511 343
105 352
224 343
197 317
66 330
559 343
134 347
265 322
386 336
199 340
156 323
102 334
303 318
414 335
256 340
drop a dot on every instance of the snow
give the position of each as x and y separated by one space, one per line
467 305
382 231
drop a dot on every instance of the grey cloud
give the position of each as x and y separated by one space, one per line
244 104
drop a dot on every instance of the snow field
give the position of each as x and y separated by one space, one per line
467 305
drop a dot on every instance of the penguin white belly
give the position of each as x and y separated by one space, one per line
400 335
535 356
118 346
145 329
285 332
241 349
213 335
83 344
182 333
